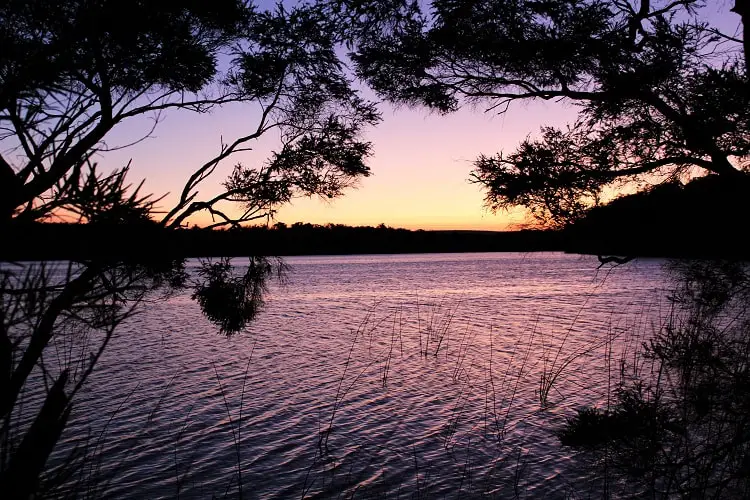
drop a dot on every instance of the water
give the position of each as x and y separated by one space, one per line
388 375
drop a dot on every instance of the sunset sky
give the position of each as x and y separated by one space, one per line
420 167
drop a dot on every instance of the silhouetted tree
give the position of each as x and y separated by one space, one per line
678 425
71 72
659 89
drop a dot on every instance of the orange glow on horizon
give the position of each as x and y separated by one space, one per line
420 167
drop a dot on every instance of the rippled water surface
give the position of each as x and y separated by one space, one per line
389 375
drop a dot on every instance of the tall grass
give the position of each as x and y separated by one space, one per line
435 324
504 369
678 419
662 386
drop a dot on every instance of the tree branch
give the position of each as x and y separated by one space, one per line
209 166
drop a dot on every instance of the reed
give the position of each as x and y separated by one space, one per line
383 338
678 418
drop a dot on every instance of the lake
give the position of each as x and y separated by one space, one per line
372 376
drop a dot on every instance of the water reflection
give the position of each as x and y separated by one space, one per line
426 370
429 376
56 323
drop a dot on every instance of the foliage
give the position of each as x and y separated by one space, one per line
232 301
71 74
680 416
700 218
660 91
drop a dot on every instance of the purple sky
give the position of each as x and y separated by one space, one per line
420 167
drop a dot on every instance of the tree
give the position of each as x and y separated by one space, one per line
660 91
71 72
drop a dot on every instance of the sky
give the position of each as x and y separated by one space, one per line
420 165
419 168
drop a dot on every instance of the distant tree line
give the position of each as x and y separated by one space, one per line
103 241
696 219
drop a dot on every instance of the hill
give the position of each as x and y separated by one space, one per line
707 217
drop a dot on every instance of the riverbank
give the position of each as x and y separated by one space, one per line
719 240
74 241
